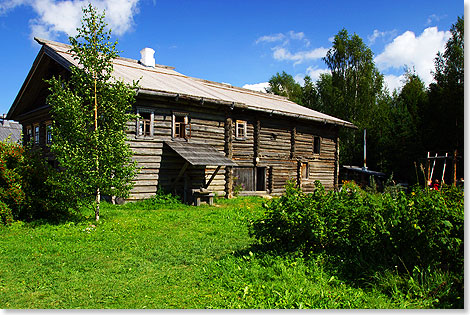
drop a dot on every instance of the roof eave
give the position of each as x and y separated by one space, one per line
244 106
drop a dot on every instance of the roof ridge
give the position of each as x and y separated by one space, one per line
244 90
54 43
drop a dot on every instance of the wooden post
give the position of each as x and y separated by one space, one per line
212 177
454 168
270 180
433 165
336 174
428 165
299 174
183 169
444 169
256 142
228 148
292 142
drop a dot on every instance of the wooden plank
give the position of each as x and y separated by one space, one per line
212 177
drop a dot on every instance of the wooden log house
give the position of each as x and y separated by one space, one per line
196 134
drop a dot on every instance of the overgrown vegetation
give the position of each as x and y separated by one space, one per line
159 253
365 234
29 187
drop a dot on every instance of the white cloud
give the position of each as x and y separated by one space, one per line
270 38
281 53
410 51
285 38
434 17
55 17
315 73
260 87
394 82
378 34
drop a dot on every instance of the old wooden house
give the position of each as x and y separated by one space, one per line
194 134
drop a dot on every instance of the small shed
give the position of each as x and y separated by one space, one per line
10 129
362 176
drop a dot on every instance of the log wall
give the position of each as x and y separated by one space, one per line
277 145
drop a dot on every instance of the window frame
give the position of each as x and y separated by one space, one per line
146 123
36 133
243 124
305 170
29 134
316 145
186 122
48 133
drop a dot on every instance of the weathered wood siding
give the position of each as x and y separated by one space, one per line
281 146
159 164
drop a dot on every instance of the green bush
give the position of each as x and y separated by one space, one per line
367 231
6 217
29 186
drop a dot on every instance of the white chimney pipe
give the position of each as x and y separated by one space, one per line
147 57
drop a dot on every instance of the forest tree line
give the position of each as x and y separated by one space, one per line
402 126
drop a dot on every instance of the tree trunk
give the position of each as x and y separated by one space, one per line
97 206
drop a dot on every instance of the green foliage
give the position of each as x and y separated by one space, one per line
29 189
89 113
370 231
402 127
12 195
6 217
444 113
137 257
285 85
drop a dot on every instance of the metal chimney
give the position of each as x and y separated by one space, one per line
147 57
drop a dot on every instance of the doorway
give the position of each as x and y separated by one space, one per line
250 178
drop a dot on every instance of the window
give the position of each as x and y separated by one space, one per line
316 145
305 170
240 129
48 133
144 124
36 134
181 125
145 120
29 134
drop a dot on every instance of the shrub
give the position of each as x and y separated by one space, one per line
368 231
29 189
6 217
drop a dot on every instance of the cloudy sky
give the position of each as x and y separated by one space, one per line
241 42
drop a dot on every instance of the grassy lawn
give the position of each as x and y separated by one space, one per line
172 256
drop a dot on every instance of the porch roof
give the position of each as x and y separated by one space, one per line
198 154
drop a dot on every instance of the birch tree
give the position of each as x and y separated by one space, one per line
89 112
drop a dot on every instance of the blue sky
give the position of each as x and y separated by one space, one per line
242 43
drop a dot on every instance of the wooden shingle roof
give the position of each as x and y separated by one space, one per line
198 154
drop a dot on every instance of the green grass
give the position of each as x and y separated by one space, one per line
173 256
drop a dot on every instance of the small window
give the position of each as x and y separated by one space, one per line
145 122
181 126
316 145
36 134
48 134
29 134
240 130
305 170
